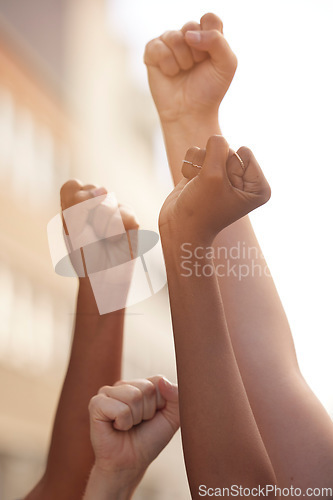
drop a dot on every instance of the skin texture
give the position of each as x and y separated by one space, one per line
130 424
295 428
222 444
96 337
188 96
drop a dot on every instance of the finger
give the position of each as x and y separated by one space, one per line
217 152
73 193
211 21
128 216
254 180
168 390
176 42
217 47
87 202
160 401
193 162
106 218
68 191
95 195
197 55
158 54
236 166
128 394
149 396
105 409
89 187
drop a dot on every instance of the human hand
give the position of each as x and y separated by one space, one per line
208 199
190 70
130 424
97 223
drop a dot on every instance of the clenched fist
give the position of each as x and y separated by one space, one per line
219 188
190 70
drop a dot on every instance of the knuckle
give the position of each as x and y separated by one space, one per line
155 378
162 52
217 140
125 416
191 26
150 44
174 38
136 394
94 403
119 382
69 187
149 388
211 19
104 389
68 184
89 187
216 34
191 151
149 49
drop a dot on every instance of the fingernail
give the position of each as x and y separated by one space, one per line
166 382
193 36
98 191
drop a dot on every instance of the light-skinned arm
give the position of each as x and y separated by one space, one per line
296 429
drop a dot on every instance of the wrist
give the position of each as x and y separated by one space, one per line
106 485
175 232
174 241
195 123
188 263
87 306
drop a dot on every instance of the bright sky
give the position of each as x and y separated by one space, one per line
280 105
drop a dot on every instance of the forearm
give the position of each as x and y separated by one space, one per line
292 415
252 304
104 486
95 361
184 133
222 445
244 279
256 290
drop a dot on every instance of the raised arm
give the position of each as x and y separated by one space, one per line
189 72
95 360
130 423
296 429
222 444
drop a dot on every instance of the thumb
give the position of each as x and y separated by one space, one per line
128 217
168 391
245 174
213 42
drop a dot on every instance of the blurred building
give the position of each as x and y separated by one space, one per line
68 108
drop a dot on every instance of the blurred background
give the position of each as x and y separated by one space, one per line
74 102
